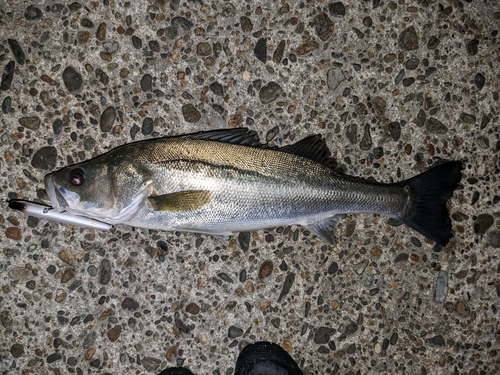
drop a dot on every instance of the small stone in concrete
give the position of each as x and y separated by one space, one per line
30 122
190 113
72 79
270 92
104 272
408 39
234 332
260 50
107 119
45 158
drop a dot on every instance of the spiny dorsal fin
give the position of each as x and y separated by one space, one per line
240 136
314 148
180 201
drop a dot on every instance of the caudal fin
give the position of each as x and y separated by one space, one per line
427 212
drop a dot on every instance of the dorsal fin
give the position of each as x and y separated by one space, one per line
240 136
314 148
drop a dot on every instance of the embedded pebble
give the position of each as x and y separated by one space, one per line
435 126
483 141
441 290
181 23
307 47
190 113
72 79
234 332
265 269
204 49
107 120
260 50
246 24
147 126
6 105
7 76
337 9
479 81
323 26
244 240
412 63
472 47
130 304
366 141
150 363
467 118
279 51
351 133
147 82
45 158
408 39
287 285
68 274
17 350
136 42
270 92
193 308
33 13
31 122
216 88
494 238
334 77
482 223
17 51
114 333
101 31
19 273
104 276
437 340
395 130
54 357
322 335
433 42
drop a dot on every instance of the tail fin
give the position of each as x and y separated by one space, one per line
429 191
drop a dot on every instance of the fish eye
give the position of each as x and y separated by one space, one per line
76 177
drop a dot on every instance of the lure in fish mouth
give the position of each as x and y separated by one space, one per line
226 181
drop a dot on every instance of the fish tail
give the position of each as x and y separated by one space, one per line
428 194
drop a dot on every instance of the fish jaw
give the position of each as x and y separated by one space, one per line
56 199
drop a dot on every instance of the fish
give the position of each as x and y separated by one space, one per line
224 181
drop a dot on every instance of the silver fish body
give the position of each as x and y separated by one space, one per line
225 181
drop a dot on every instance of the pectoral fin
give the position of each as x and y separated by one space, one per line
180 201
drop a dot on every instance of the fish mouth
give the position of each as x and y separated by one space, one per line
56 199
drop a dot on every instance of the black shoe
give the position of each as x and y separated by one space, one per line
264 358
176 371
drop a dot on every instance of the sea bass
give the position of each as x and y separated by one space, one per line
224 181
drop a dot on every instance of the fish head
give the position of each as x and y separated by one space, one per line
108 188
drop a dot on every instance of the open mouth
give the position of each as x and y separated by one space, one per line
56 199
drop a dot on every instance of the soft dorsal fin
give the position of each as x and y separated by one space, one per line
314 148
240 136
180 201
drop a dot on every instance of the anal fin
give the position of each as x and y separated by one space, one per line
324 229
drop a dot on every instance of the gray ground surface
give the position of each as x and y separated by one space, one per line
392 85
